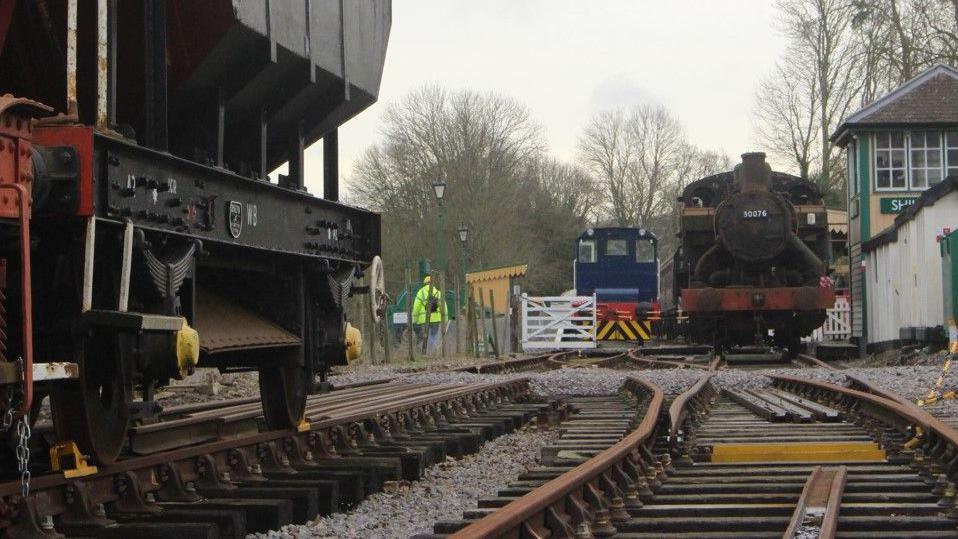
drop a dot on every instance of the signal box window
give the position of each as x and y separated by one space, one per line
644 251
890 161
587 251
925 159
616 248
951 152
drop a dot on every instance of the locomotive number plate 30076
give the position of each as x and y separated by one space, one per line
754 214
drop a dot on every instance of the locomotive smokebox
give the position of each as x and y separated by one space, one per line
754 224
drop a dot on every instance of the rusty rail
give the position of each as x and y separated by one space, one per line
822 492
636 357
511 365
592 494
610 361
871 387
679 409
235 455
816 362
929 434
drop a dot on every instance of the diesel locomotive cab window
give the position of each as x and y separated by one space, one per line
644 251
587 251
890 161
616 248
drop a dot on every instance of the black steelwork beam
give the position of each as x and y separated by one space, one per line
220 126
263 145
180 196
155 74
331 165
297 160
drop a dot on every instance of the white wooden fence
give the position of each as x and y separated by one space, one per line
558 322
837 326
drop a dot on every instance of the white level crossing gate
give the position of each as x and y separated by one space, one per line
837 326
558 322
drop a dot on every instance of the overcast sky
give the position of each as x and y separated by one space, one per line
567 59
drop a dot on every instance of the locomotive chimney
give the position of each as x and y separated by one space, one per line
753 173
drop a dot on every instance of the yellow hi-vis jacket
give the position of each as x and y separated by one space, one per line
420 306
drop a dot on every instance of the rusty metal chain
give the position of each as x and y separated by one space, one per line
14 398
23 455
8 416
11 403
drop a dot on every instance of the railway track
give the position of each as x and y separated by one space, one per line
189 424
798 459
214 469
357 441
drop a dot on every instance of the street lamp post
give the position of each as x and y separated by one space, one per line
439 186
463 236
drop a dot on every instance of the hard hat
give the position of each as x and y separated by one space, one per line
427 279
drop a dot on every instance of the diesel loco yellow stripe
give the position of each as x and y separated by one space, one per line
604 329
618 330
798 452
643 329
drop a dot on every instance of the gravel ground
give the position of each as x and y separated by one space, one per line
576 381
912 382
672 381
757 379
585 381
365 372
208 385
443 493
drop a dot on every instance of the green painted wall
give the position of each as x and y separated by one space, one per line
949 251
864 183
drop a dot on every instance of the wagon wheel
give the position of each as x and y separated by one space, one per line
283 394
377 289
94 411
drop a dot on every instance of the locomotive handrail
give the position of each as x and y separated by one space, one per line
533 508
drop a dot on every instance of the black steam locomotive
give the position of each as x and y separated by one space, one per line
142 235
751 265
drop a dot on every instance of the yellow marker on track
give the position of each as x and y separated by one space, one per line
798 452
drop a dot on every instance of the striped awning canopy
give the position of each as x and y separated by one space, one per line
837 221
494 274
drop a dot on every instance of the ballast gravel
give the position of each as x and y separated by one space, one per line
444 492
672 381
559 382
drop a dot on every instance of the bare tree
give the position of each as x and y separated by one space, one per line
562 201
634 156
660 142
481 144
607 150
820 31
898 38
520 206
786 114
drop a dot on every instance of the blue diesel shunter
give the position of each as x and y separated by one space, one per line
621 267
